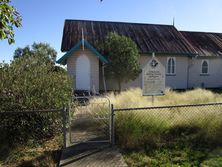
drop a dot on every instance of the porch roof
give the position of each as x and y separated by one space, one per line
63 59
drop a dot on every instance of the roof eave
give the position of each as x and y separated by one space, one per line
172 53
63 59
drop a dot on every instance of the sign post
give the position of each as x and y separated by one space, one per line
153 78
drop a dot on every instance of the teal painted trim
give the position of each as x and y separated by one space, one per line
67 54
77 46
90 47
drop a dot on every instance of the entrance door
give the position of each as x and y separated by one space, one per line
82 73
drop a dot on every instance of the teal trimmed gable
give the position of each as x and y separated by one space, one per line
63 59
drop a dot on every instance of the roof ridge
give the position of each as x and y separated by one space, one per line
120 22
200 32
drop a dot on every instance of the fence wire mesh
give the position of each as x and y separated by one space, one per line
168 125
89 120
33 127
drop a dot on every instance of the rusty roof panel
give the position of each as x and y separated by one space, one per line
148 37
205 43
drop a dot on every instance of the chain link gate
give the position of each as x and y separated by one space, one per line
89 120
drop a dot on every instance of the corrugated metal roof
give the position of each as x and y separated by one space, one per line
206 44
148 37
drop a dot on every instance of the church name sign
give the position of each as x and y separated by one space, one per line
153 78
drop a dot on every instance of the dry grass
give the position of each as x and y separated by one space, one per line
134 98
32 153
172 136
137 127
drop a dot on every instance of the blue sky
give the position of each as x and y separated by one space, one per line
43 20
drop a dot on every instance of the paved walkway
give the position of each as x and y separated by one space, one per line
92 155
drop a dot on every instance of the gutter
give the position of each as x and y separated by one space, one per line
178 54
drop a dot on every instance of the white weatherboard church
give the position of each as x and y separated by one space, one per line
191 59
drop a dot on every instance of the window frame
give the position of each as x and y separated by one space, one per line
201 67
171 67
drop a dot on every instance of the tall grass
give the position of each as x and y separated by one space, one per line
134 98
137 129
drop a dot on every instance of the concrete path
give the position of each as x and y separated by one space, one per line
92 155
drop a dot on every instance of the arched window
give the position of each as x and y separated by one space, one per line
204 67
171 65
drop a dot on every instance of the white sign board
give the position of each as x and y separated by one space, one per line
153 78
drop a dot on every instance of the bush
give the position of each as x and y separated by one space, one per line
29 83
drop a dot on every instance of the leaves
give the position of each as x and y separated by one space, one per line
9 18
124 57
43 50
30 83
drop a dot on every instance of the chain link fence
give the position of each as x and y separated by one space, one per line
193 125
89 120
32 138
35 125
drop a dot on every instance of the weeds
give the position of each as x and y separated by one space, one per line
183 137
33 153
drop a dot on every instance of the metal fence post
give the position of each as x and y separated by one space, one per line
64 126
112 126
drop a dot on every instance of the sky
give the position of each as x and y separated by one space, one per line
43 20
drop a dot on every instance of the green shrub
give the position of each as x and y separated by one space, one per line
214 159
29 83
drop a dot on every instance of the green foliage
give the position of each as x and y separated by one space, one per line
175 157
132 133
166 142
28 83
124 56
45 52
9 17
151 129
214 159
33 154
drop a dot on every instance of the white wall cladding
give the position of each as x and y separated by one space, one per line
187 75
94 67
212 80
177 81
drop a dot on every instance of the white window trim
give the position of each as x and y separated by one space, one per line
174 58
201 73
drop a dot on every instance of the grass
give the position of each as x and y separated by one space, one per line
174 157
33 153
159 137
188 136
134 98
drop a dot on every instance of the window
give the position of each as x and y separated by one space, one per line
171 65
205 67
